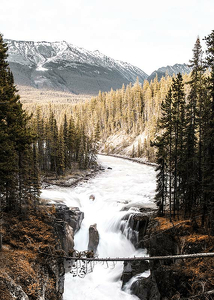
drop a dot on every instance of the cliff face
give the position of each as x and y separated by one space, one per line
179 279
67 223
25 273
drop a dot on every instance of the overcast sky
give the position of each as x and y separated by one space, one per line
148 34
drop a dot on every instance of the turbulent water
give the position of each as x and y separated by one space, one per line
118 191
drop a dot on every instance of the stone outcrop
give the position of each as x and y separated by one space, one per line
71 215
173 279
31 261
135 229
146 288
93 238
135 226
131 269
68 222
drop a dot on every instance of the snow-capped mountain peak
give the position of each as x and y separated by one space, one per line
65 66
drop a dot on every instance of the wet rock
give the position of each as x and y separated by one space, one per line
66 236
73 216
133 268
93 238
146 288
67 223
135 227
56 270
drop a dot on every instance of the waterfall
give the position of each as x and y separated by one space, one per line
119 194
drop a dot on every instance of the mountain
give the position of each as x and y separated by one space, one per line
170 70
65 67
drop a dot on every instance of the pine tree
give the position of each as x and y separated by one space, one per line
178 123
15 141
71 143
61 152
208 180
193 151
164 155
65 142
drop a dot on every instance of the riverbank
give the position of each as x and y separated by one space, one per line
140 160
22 237
70 179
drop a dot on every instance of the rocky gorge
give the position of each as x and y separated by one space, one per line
175 278
26 271
32 264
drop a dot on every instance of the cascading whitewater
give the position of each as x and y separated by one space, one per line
119 193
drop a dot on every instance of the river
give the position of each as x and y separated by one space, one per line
121 189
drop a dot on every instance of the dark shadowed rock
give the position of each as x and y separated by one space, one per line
73 216
146 289
67 223
134 227
93 238
132 269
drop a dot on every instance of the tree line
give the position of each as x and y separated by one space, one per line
185 141
175 113
18 166
62 146
31 145
127 116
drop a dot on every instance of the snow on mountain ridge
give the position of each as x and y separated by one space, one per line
63 66
39 54
170 70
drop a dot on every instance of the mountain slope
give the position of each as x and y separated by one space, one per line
170 70
62 66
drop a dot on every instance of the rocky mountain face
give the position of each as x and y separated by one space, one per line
170 70
62 66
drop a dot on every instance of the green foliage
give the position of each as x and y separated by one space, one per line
185 143
59 147
16 154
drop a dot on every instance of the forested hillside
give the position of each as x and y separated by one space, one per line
169 122
185 142
31 146
125 120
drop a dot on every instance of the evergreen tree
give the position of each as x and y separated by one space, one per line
71 143
178 123
164 155
193 150
15 141
208 178
65 142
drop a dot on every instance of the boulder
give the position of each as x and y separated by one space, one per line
134 227
132 269
93 238
146 288
72 215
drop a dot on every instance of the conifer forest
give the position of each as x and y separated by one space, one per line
168 123
172 119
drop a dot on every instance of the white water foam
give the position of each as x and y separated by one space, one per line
118 191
